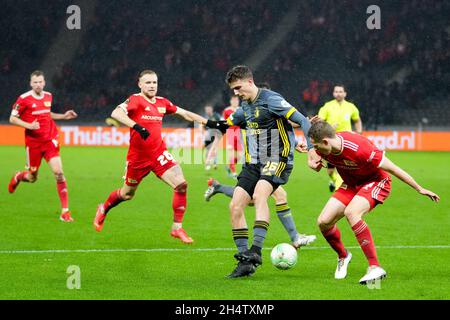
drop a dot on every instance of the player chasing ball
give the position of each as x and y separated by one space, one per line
268 140
365 171
143 114
32 111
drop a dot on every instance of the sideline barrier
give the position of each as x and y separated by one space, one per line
183 137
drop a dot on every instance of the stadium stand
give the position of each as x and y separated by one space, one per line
391 74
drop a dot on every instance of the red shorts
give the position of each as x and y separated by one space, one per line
135 172
375 192
46 150
234 139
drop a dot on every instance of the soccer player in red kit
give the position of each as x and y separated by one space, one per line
233 137
365 170
32 111
143 114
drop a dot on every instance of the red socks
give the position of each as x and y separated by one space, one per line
63 193
333 236
179 203
21 176
113 200
365 240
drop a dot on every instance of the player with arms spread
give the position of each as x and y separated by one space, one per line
269 142
365 170
143 114
32 111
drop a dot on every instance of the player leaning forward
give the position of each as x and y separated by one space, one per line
32 111
269 142
365 170
143 113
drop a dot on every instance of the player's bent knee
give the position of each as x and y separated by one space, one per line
127 195
323 223
59 176
182 187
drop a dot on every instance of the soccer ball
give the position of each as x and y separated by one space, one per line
283 256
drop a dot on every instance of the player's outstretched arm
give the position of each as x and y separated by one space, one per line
190 116
68 115
389 166
27 125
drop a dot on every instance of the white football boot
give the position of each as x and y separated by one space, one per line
373 273
303 240
341 269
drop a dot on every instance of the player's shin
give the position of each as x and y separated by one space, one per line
179 202
285 216
240 238
259 235
63 194
333 237
364 237
113 200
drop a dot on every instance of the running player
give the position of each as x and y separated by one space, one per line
268 141
340 114
143 114
365 171
32 111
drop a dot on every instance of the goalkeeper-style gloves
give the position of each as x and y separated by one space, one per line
142 131
219 125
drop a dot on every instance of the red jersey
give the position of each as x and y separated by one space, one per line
359 160
227 112
29 108
149 115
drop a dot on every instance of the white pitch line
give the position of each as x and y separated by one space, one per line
195 249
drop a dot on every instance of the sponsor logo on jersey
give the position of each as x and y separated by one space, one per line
156 118
47 103
350 163
256 112
161 109
40 112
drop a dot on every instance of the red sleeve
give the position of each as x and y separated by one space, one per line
370 154
170 107
18 107
129 105
226 114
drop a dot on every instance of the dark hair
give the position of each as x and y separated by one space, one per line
320 130
37 73
143 73
339 85
238 73
264 85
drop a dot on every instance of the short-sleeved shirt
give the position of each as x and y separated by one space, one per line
227 112
359 160
29 108
268 136
339 115
148 114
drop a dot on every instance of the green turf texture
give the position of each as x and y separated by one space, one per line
29 221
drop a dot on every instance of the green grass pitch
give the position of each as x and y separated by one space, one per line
411 233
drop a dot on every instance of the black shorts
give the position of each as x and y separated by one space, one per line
330 166
276 173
